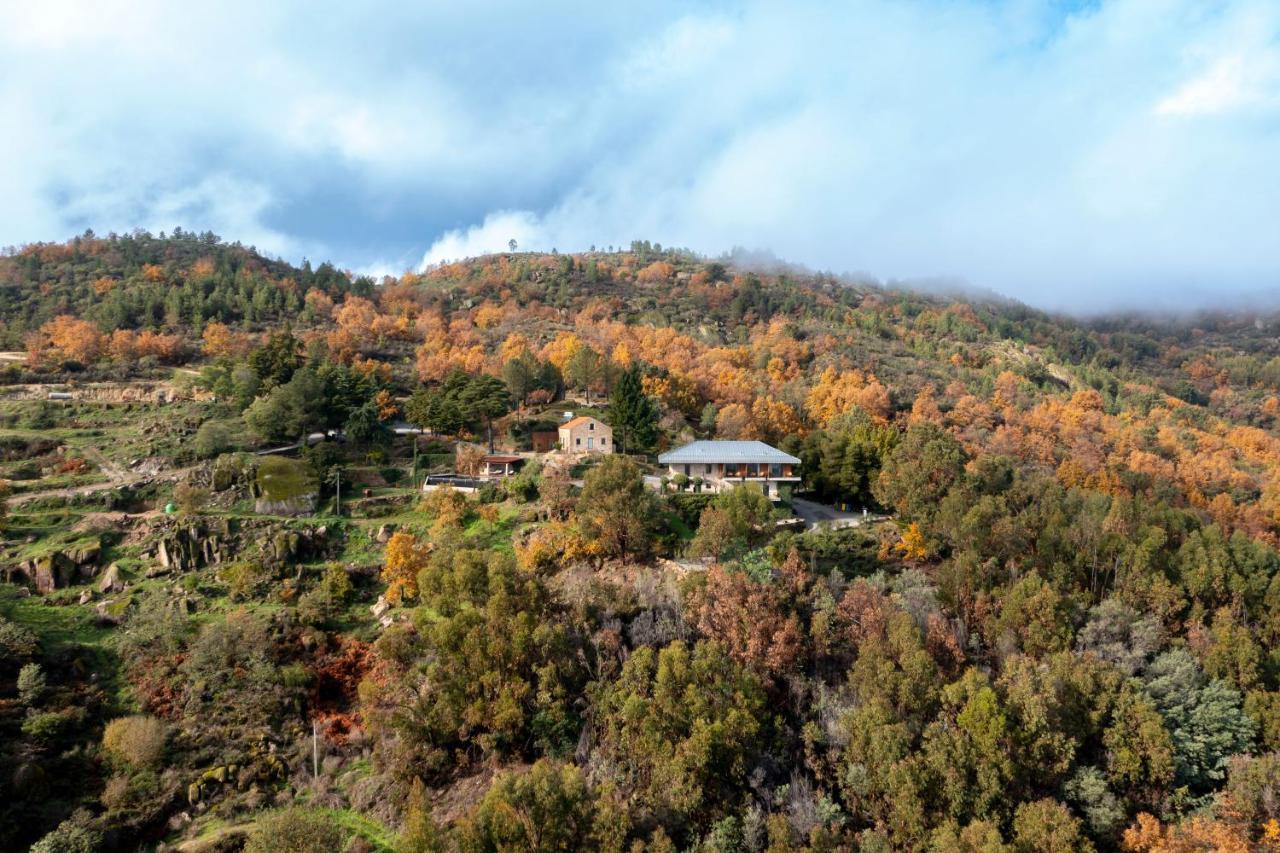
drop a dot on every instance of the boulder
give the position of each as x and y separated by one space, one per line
380 606
384 533
111 581
86 554
107 612
50 572
86 596
286 487
295 506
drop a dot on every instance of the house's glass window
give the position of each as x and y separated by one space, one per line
775 470
577 442
591 426
686 470
604 440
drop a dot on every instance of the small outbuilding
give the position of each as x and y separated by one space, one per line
585 434
498 466
544 440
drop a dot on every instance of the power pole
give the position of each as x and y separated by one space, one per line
315 752
337 473
413 472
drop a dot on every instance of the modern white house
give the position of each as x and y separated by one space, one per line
725 464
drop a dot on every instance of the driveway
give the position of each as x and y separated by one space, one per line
818 515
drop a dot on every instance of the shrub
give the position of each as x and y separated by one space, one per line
190 498
129 791
17 642
137 740
52 725
212 438
27 470
295 830
31 683
40 416
71 836
689 506
336 584
246 580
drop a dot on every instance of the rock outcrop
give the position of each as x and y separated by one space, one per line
190 545
293 507
61 568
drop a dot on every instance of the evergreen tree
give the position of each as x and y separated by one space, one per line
631 414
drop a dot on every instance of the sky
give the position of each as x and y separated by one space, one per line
1074 155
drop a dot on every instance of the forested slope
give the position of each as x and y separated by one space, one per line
1066 637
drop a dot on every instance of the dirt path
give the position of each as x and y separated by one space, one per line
122 478
111 469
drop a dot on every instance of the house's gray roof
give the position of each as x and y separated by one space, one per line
726 451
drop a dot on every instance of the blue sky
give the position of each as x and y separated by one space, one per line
1077 155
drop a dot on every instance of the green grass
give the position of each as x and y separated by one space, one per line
58 626
382 837
493 535
355 824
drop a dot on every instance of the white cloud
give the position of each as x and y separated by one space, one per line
1117 150
489 237
1223 88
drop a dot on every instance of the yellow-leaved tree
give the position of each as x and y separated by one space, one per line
405 557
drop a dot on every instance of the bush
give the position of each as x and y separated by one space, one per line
53 725
138 740
27 470
689 506
17 643
336 584
213 438
190 498
130 791
31 684
524 485
42 415
71 836
246 580
295 830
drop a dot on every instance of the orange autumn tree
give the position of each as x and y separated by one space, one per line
220 340
837 392
405 557
67 338
752 620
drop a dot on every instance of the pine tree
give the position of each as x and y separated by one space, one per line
631 414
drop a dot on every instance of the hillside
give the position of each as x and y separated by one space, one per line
1056 625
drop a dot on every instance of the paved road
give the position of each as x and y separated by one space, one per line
817 515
